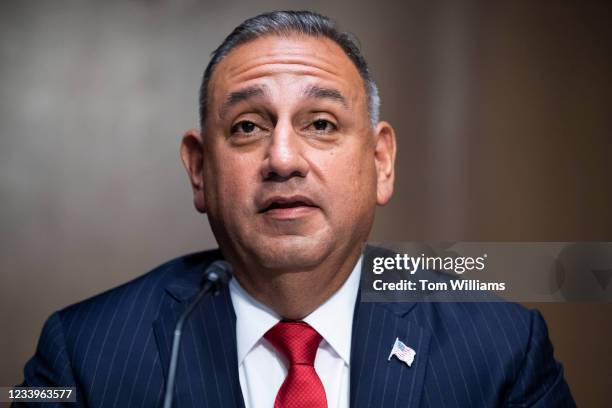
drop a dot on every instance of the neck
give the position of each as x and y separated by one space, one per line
294 294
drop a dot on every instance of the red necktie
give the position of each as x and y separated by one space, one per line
302 388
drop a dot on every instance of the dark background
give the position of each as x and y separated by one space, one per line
502 110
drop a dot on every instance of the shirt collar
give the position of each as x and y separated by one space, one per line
333 320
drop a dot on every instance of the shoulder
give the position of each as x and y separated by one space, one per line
499 344
499 327
493 332
133 303
500 317
114 323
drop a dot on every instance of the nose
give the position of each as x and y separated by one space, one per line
284 155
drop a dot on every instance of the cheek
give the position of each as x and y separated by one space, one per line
351 176
232 182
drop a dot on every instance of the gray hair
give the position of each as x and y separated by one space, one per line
288 22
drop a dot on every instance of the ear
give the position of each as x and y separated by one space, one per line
192 154
384 156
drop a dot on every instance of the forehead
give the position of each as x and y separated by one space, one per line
316 58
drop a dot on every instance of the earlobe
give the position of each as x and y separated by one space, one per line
192 155
385 151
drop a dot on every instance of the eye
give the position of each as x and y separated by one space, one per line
322 125
244 126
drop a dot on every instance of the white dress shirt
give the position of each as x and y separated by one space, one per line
262 370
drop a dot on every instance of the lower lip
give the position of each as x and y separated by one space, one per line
290 213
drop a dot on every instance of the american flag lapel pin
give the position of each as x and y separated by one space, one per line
402 352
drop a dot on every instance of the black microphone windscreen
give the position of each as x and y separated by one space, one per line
219 273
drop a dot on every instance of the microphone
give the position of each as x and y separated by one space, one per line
216 277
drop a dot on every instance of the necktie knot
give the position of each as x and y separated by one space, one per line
297 341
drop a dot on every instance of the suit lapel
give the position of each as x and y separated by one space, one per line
207 372
375 380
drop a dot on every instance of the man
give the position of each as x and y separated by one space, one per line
289 165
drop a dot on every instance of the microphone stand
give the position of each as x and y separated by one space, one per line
217 275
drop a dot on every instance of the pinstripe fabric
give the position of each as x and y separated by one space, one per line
467 355
115 349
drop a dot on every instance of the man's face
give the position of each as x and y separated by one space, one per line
291 167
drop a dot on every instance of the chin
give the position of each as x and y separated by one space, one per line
292 253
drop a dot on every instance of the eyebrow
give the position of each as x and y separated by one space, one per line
259 91
325 93
255 91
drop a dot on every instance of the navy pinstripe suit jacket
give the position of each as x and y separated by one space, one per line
115 349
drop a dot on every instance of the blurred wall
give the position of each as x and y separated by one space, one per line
502 111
